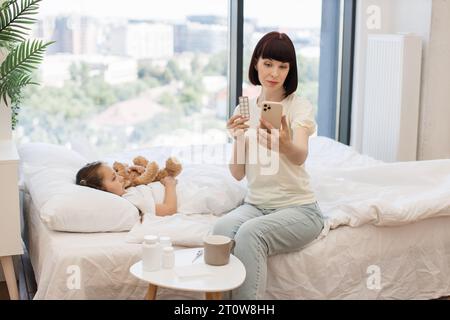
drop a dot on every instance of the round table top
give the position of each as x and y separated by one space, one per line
194 276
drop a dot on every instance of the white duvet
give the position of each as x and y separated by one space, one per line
366 192
383 195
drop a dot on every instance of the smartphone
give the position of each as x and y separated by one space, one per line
272 112
244 107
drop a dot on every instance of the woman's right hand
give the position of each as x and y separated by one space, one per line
236 125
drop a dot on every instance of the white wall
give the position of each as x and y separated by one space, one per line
434 124
429 19
411 16
5 113
5 122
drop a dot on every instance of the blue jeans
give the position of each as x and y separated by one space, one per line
260 233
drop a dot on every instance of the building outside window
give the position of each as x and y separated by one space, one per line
301 21
152 73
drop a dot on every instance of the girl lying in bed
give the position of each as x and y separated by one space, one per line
99 175
199 190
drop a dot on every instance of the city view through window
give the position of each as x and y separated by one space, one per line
154 73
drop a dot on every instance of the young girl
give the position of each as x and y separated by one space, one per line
99 175
280 213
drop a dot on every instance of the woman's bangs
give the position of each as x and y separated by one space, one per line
278 50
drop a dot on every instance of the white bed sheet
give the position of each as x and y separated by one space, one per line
413 261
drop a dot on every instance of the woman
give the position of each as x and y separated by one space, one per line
280 213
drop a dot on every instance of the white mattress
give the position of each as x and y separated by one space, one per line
414 263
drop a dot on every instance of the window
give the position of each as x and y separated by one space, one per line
123 77
156 73
323 35
301 21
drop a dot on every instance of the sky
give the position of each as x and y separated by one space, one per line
285 13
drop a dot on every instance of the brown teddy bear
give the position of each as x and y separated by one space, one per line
143 172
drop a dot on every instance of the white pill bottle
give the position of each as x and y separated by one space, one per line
168 258
151 254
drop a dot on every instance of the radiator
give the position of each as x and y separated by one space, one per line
391 99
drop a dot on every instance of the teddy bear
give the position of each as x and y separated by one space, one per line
144 172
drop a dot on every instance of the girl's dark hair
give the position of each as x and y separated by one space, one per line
276 46
89 176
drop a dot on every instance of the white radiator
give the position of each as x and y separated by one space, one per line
392 93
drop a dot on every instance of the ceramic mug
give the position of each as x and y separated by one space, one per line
217 249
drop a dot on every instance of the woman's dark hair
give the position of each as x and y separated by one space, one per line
89 176
276 46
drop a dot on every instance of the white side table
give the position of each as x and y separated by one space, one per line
197 276
10 239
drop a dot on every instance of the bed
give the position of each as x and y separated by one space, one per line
408 261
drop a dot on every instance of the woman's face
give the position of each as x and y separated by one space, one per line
112 182
272 73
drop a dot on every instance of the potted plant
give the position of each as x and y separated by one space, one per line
23 55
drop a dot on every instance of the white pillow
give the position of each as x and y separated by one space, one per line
49 173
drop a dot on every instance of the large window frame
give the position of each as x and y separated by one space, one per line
336 59
348 53
236 52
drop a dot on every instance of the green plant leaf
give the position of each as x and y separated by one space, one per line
14 15
25 57
16 69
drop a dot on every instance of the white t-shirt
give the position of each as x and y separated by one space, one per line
275 183
142 198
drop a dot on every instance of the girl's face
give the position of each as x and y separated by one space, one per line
272 73
112 182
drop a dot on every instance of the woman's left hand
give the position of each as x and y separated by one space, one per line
273 139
